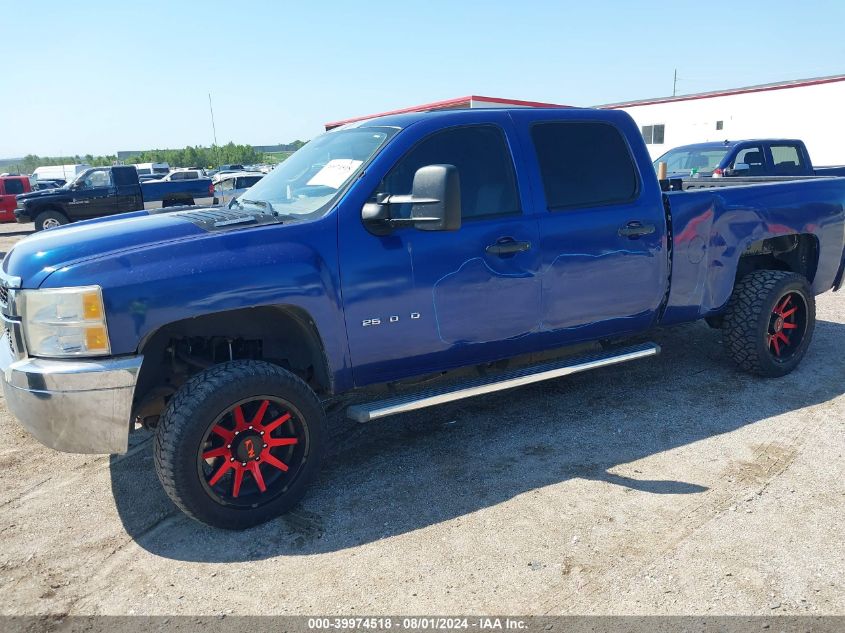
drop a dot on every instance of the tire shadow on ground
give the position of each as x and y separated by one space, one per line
422 468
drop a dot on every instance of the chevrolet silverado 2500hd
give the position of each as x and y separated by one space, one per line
383 251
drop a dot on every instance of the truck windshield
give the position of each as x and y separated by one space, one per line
688 158
307 183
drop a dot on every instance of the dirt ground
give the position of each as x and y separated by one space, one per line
674 485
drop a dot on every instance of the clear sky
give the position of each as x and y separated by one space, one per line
97 77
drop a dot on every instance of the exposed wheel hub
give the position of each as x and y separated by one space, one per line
247 446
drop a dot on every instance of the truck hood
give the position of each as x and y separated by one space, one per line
42 193
34 258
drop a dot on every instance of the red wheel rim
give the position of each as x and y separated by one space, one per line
787 326
253 451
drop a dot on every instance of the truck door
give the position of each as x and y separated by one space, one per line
602 227
420 301
128 189
95 195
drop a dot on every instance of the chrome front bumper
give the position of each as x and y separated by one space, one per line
77 406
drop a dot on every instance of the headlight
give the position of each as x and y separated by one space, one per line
65 322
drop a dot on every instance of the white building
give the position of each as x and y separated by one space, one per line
807 109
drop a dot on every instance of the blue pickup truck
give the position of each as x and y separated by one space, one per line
383 253
773 158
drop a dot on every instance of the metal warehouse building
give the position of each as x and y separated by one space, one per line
808 109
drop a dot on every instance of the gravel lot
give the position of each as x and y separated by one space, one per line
675 485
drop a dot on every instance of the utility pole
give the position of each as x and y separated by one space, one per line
214 130
674 86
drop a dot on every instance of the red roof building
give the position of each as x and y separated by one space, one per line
460 103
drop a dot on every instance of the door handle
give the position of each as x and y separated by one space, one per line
507 246
635 229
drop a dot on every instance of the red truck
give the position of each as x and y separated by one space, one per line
11 186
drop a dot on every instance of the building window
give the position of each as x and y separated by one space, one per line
653 134
720 125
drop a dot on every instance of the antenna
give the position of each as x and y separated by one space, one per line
674 84
214 130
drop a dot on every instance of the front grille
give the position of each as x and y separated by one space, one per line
4 297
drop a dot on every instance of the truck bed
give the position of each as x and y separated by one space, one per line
685 184
178 192
712 228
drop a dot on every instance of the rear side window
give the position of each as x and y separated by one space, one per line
483 160
786 160
245 182
124 177
14 186
584 163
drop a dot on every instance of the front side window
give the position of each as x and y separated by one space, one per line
484 164
94 179
753 157
584 163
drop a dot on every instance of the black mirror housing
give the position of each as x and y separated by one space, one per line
436 197
436 200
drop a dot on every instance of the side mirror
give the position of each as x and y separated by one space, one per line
739 169
436 200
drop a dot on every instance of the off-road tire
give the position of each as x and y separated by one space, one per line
745 328
186 420
51 217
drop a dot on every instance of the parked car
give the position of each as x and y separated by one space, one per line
184 174
47 184
63 173
151 169
101 191
230 185
10 187
753 158
404 247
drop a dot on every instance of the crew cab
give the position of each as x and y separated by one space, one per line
101 191
10 187
458 245
752 158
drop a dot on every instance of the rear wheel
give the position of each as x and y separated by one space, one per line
769 322
239 444
50 219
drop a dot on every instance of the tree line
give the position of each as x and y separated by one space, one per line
190 156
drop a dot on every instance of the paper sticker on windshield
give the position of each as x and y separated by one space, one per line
335 173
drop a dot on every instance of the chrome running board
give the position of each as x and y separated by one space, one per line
369 411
